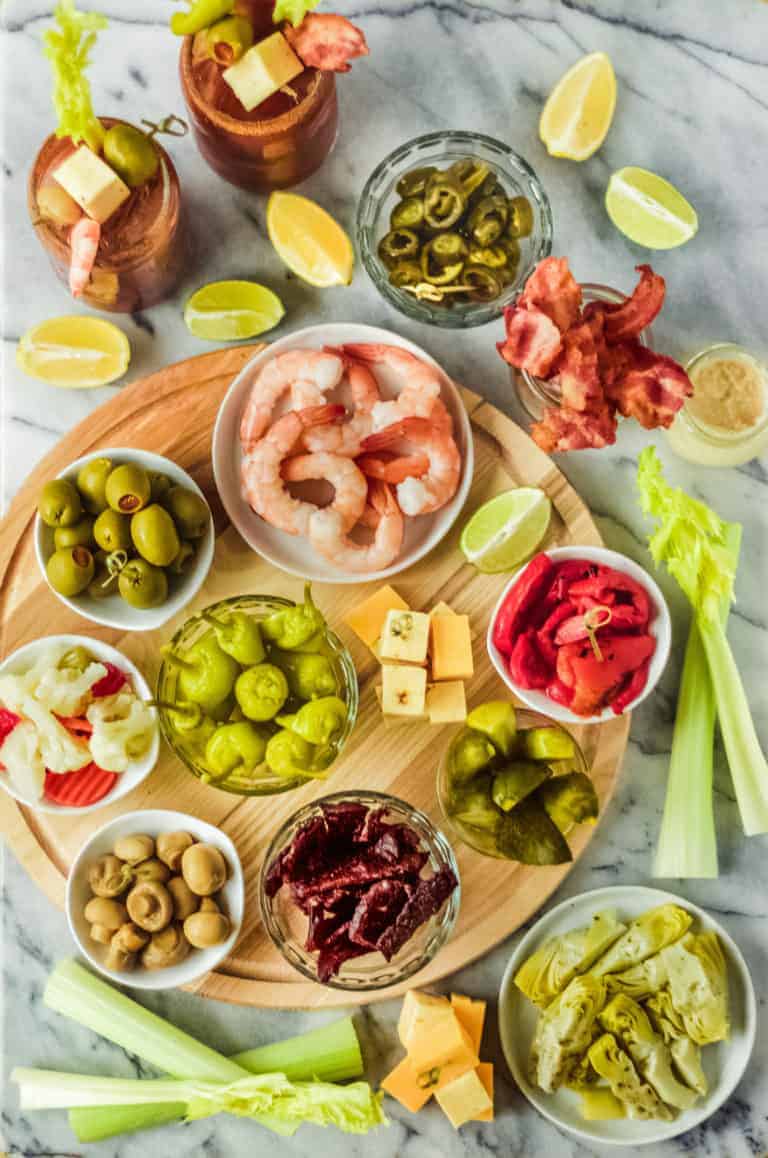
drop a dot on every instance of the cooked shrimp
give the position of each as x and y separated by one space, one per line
312 374
394 469
326 534
419 496
422 382
84 237
262 484
346 438
349 483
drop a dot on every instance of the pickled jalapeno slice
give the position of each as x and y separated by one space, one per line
437 272
414 183
482 283
444 202
488 220
494 256
397 244
520 217
407 214
470 173
405 273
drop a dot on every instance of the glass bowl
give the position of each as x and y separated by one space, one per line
442 149
261 781
287 925
536 394
476 838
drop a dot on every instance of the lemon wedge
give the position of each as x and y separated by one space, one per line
579 110
74 352
310 242
648 210
226 311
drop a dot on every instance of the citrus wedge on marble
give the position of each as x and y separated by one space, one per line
310 242
648 210
74 352
506 530
225 311
577 116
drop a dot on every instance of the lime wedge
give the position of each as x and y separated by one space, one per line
506 529
310 242
648 210
224 311
74 352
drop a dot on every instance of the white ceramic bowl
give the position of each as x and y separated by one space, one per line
293 553
23 657
114 611
724 1062
153 821
660 628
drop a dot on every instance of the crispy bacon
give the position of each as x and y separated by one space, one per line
576 370
638 311
533 341
562 428
651 390
553 289
327 42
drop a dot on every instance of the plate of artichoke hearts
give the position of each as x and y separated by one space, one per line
627 1015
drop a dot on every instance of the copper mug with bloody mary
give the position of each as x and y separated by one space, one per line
104 197
260 89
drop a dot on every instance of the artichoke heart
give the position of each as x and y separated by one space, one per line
629 1022
698 985
686 1055
565 1029
663 1014
613 1064
641 980
687 1058
647 934
547 971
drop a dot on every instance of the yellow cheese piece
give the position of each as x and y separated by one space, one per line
262 70
451 648
471 1014
367 619
91 182
403 690
445 1041
419 1012
403 1083
442 608
485 1074
447 702
464 1099
397 721
405 637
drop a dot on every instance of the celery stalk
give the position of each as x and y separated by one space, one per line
687 844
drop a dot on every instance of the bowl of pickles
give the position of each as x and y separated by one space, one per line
450 225
513 784
256 695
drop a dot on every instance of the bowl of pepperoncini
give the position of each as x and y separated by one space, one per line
256 695
449 227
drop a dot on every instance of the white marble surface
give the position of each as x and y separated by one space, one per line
693 97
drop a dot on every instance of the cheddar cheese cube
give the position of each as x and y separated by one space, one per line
447 702
403 690
446 1042
403 1083
405 637
464 1099
367 619
92 183
485 1074
419 1013
471 1014
262 70
442 608
451 648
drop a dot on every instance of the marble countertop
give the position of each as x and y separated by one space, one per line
693 95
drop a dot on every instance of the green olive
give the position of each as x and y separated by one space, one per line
59 504
228 39
159 485
184 559
76 659
131 154
80 534
154 535
188 511
128 488
104 582
92 484
142 585
112 531
70 571
407 214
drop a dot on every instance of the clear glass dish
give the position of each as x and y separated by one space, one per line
476 838
261 781
287 925
441 150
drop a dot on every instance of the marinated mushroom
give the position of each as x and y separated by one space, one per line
210 905
171 846
134 849
101 934
168 947
185 902
117 959
109 876
130 938
152 870
150 905
206 928
107 912
204 869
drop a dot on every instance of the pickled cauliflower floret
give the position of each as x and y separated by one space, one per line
67 691
123 726
22 760
59 750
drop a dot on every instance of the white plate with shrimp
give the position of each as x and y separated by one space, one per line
334 446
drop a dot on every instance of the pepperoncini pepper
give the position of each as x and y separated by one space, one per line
202 14
239 635
309 676
261 691
294 626
289 755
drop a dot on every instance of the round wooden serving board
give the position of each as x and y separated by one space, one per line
172 412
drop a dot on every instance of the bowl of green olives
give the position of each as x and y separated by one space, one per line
124 537
449 227
256 695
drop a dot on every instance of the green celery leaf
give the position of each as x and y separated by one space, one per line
68 50
292 10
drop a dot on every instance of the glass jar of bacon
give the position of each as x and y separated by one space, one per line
261 91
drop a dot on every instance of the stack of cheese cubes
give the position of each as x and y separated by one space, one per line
442 1044
425 658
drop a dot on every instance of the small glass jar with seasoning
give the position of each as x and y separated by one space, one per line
725 422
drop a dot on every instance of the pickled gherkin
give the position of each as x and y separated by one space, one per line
514 782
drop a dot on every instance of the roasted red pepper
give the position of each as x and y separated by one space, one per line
112 682
594 681
527 592
8 721
528 665
632 688
77 725
612 588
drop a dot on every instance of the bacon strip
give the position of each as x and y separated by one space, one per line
533 341
327 42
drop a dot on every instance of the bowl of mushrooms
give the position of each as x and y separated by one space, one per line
155 898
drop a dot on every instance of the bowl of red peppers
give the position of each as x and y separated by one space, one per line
580 633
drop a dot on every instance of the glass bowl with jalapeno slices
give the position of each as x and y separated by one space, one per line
256 695
513 783
450 225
